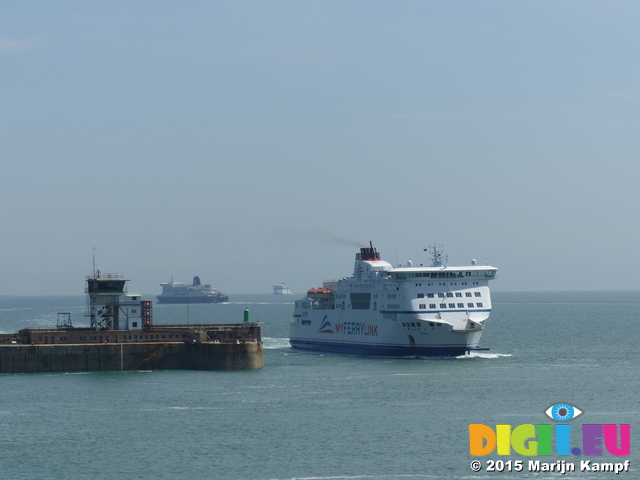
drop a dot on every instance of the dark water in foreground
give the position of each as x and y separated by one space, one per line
310 416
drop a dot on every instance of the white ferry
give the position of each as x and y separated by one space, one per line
176 292
281 289
409 311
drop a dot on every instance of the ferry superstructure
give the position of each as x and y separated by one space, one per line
176 292
408 311
281 289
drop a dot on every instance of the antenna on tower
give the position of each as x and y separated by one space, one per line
437 258
93 272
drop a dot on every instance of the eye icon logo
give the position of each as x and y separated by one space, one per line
563 412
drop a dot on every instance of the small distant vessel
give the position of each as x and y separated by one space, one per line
176 292
281 289
407 311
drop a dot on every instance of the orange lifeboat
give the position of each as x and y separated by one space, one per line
318 292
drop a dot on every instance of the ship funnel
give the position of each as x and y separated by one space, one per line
369 253
196 280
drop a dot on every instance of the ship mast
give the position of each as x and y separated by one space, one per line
436 255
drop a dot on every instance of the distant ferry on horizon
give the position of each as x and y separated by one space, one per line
176 292
408 311
281 289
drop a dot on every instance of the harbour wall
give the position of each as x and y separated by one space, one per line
34 358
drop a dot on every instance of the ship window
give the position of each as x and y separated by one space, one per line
449 295
443 305
423 306
461 305
432 305
431 323
458 294
470 305
134 324
133 310
477 294
413 324
452 305
468 294
421 295
429 295
441 295
479 304
360 301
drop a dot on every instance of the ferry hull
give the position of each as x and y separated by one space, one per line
343 348
192 300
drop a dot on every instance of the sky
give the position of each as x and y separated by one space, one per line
253 143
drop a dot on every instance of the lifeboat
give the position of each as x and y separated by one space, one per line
319 292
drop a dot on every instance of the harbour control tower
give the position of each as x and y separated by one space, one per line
110 307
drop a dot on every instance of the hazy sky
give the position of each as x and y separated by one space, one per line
253 142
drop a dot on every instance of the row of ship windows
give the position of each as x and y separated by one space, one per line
450 295
475 273
373 286
423 306
392 296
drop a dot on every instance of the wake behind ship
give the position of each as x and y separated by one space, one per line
176 292
408 311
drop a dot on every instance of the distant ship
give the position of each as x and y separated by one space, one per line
408 311
176 292
281 289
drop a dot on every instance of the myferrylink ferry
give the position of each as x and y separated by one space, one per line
408 311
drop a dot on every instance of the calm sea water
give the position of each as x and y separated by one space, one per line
307 416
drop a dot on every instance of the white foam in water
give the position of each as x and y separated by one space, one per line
485 355
275 343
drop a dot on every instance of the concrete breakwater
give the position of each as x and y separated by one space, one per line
199 347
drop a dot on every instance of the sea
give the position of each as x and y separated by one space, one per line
328 417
